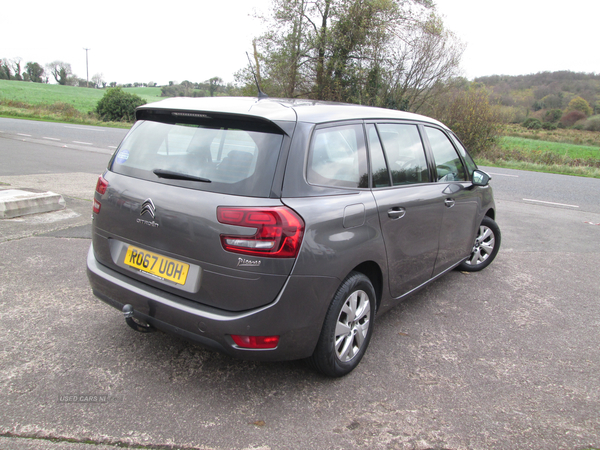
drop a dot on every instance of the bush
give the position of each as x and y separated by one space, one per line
532 123
592 124
471 116
553 115
580 104
117 105
569 119
549 126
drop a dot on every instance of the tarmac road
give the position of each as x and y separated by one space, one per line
507 358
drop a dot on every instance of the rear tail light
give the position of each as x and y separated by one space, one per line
255 341
278 233
101 187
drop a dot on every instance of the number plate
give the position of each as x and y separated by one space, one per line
160 266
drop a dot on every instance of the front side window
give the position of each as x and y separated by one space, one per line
225 160
337 157
471 166
405 153
448 165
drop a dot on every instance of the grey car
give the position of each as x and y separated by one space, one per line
275 229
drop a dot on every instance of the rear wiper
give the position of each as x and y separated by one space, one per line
178 176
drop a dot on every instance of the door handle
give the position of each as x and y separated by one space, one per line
449 202
396 212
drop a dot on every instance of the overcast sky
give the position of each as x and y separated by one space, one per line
196 40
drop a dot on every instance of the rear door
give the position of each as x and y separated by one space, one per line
410 206
178 193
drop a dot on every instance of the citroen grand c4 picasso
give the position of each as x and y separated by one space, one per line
278 229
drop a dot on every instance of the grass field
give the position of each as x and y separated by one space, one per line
546 156
572 151
82 99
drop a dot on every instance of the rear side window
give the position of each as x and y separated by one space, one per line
405 153
225 160
338 157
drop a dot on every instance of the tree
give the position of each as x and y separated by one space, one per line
34 71
98 81
580 104
471 116
213 85
377 52
423 59
61 71
16 63
118 105
5 69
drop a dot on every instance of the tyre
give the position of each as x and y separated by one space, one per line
485 247
347 328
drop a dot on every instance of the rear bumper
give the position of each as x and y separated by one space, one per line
296 315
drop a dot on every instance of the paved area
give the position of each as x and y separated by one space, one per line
506 358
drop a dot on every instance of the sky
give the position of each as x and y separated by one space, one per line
132 41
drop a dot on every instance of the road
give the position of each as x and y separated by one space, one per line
64 135
506 358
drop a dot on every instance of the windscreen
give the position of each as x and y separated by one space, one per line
227 160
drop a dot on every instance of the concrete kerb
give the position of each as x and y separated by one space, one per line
16 203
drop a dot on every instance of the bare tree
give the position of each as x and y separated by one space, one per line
16 64
61 71
98 81
420 60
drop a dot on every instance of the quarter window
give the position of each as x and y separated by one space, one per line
337 157
379 169
448 165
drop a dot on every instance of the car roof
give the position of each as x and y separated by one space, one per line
275 109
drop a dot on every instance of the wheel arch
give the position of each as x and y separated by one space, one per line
373 272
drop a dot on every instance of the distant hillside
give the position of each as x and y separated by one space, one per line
544 90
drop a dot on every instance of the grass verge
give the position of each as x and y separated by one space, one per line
56 112
543 156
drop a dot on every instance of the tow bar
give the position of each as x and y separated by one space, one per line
136 324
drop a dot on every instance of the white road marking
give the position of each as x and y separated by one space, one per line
85 143
52 139
111 146
549 203
21 134
503 175
85 128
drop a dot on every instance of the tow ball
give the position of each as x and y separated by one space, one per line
136 324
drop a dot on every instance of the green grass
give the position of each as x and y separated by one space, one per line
544 156
82 99
572 151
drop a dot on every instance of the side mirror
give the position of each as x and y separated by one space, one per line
480 178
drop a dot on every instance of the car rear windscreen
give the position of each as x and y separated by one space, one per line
225 159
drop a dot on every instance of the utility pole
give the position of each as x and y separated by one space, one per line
87 72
